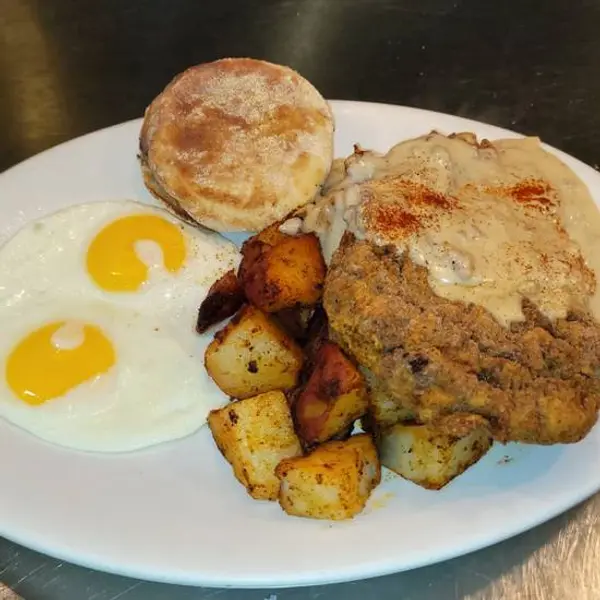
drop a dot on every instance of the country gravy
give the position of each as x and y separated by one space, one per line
492 222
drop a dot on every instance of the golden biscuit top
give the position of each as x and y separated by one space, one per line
239 133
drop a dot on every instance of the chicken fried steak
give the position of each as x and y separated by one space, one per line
466 284
535 381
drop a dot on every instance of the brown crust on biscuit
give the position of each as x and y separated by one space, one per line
237 143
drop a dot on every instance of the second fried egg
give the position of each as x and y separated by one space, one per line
99 377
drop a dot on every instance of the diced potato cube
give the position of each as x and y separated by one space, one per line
254 246
333 398
271 235
332 482
223 300
288 274
317 334
254 435
251 251
251 355
428 457
295 321
372 473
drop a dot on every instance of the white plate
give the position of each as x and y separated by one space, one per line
175 513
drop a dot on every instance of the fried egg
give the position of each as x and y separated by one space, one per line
97 308
126 253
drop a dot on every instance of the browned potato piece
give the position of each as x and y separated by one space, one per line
288 274
251 355
332 482
317 334
271 235
223 300
372 474
333 398
254 435
428 457
254 246
295 321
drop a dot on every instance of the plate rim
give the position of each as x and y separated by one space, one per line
368 569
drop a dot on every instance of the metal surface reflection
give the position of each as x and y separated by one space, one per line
68 67
299 40
30 78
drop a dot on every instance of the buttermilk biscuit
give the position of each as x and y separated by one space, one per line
236 144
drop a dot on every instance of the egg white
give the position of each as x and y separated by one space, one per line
158 389
48 257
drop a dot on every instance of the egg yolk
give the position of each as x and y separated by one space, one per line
37 370
112 260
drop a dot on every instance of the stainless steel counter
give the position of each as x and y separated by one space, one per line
557 561
68 67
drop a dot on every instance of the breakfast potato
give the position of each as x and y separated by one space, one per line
363 443
332 482
252 355
317 334
332 399
271 235
254 246
254 435
295 321
428 457
225 297
288 274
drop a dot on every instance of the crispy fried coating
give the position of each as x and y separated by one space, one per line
537 382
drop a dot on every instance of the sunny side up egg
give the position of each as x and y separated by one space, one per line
97 308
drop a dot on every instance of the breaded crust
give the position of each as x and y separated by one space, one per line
537 381
236 144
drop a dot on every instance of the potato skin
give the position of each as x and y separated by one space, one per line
334 396
332 482
316 335
284 275
254 246
428 456
254 435
372 473
271 235
295 321
225 297
252 355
